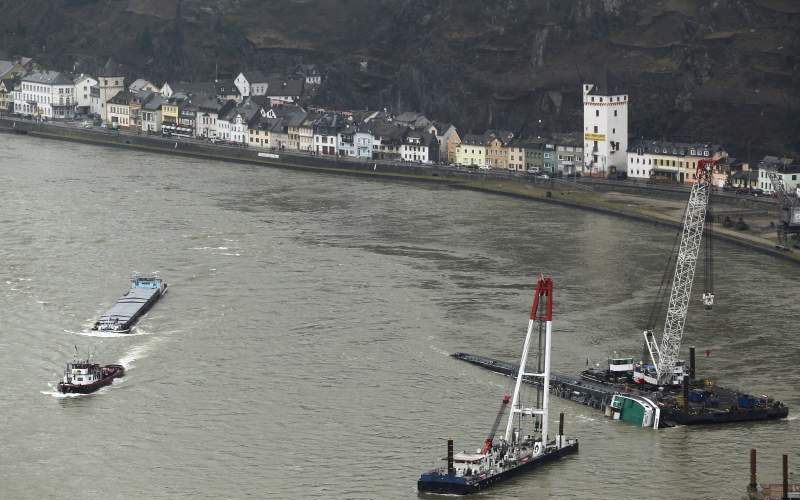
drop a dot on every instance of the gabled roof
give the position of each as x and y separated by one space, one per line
226 109
5 67
413 119
207 102
48 78
474 140
139 84
191 88
111 68
387 130
122 97
155 102
225 87
285 87
78 79
505 136
255 76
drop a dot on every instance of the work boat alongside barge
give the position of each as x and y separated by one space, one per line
519 450
145 291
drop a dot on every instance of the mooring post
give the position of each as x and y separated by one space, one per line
753 483
691 363
785 477
685 395
450 469
560 443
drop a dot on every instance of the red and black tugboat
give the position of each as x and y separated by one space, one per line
84 377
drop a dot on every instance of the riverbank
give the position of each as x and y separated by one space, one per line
652 206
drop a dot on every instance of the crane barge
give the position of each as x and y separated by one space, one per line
661 391
526 443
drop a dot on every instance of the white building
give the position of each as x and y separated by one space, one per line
605 131
253 83
83 92
110 81
45 94
789 171
415 147
142 84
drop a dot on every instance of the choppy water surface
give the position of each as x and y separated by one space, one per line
302 351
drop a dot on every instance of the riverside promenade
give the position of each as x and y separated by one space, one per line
654 204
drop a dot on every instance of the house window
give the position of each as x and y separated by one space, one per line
595 131
615 111
597 112
613 131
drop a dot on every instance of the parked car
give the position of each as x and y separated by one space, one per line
542 176
728 188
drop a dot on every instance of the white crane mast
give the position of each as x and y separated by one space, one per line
685 265
544 290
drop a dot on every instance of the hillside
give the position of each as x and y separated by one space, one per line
725 71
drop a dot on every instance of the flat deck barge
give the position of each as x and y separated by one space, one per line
670 402
144 292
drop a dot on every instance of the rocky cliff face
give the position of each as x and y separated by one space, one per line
721 70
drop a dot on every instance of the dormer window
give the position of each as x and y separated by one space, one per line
705 153
692 152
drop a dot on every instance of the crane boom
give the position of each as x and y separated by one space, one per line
487 445
789 206
685 265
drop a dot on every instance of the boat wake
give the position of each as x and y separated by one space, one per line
136 353
94 333
53 392
439 351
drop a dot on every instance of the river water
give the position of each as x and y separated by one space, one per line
302 351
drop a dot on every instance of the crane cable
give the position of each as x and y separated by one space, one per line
709 268
661 295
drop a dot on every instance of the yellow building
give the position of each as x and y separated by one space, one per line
119 111
258 136
496 154
169 113
471 152
516 157
671 162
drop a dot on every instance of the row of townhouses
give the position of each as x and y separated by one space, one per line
258 110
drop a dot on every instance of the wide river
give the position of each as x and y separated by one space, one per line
302 351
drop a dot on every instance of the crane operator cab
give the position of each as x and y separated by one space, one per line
708 300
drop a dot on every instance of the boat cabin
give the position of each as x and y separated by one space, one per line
617 365
467 464
647 373
139 281
82 373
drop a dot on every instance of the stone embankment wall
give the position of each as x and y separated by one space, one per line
543 190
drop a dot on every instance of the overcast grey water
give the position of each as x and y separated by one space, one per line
302 350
